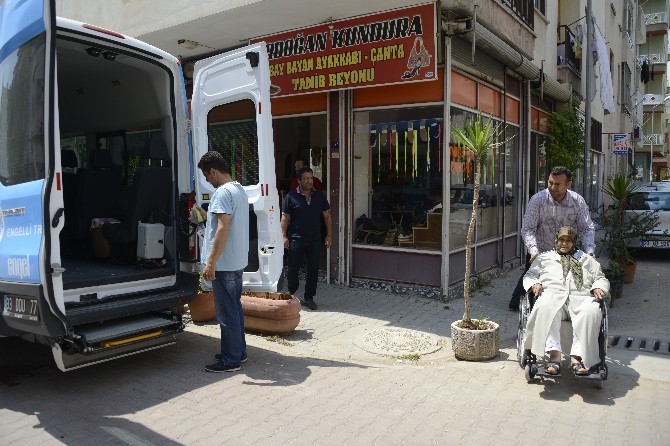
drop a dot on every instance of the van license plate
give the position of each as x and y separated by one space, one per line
21 308
655 243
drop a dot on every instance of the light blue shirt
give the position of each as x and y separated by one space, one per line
229 198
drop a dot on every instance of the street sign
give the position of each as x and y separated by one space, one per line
621 143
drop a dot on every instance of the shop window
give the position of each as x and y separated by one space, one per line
231 131
462 176
398 157
511 154
538 162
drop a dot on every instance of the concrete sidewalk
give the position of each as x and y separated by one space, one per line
364 326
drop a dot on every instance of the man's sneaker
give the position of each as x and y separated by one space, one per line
309 303
219 367
218 358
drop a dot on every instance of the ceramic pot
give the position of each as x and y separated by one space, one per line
629 272
202 308
272 314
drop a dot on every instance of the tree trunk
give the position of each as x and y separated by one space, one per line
468 242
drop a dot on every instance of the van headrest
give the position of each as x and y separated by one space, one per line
101 159
156 149
68 158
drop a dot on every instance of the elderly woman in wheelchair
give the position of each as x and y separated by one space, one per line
568 285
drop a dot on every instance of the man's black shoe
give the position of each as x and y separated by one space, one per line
309 303
243 360
513 308
219 367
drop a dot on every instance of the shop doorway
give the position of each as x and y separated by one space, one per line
301 138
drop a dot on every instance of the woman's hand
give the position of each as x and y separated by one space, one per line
598 293
537 289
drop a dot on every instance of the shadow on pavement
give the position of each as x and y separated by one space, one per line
91 402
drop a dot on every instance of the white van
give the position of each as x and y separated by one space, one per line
97 177
652 197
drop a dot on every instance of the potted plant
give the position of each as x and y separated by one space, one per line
270 313
476 339
623 221
202 308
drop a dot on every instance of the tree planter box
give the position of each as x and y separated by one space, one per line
475 345
275 313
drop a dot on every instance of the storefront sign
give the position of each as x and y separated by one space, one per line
621 143
392 47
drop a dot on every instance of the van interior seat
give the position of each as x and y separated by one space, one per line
97 192
149 196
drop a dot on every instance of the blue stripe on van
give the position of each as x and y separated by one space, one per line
20 21
21 231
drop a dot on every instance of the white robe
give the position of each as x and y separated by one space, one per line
583 307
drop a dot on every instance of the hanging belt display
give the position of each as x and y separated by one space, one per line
415 151
405 157
395 131
373 142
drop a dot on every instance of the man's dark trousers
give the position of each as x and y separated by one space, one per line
299 249
519 291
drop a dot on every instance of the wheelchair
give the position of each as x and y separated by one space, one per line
529 362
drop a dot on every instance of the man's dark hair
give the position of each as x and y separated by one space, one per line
213 160
303 170
560 170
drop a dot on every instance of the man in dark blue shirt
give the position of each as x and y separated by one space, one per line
301 226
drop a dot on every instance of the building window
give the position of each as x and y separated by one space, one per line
541 6
626 79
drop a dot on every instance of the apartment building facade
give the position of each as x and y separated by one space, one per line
372 115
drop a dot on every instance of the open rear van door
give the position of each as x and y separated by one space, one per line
31 198
231 114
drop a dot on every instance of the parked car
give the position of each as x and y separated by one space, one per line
653 197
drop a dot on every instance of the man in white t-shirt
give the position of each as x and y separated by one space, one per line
225 253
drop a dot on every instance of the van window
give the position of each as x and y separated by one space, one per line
22 113
231 131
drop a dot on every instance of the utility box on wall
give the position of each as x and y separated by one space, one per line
150 240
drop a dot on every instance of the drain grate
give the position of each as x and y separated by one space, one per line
639 343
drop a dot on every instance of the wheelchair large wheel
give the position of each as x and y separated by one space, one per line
519 341
524 312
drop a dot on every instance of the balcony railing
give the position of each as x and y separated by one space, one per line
652 99
653 139
655 58
523 9
569 49
656 18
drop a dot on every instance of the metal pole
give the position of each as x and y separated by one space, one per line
446 166
651 149
587 103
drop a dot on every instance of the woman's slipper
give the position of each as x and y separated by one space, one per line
553 368
579 369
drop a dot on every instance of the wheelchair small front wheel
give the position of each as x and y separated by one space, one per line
528 373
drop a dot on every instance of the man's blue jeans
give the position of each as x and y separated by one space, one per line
227 287
299 249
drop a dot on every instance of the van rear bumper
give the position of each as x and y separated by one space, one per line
46 323
49 325
124 306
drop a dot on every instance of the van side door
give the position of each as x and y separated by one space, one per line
231 114
31 196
